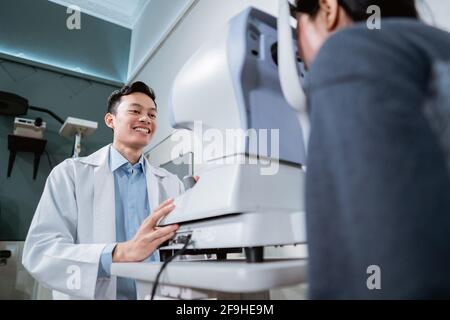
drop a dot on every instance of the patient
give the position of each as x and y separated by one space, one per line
377 190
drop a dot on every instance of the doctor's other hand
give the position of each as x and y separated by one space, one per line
148 237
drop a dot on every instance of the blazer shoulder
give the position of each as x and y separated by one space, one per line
357 53
68 168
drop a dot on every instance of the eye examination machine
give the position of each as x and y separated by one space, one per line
232 83
250 193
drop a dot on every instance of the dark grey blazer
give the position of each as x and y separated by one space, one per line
377 190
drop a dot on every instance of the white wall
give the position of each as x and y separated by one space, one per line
155 21
435 12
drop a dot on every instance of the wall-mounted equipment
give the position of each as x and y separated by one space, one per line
29 134
78 128
29 128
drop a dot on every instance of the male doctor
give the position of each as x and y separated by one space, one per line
95 210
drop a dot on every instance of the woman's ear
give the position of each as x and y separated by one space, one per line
330 11
109 120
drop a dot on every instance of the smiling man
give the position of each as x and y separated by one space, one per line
96 210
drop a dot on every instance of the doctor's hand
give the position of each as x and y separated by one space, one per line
148 237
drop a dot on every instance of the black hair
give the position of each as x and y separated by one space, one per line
138 86
357 9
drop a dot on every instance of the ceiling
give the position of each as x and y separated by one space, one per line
36 33
113 41
121 12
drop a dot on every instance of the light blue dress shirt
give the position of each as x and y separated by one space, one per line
132 207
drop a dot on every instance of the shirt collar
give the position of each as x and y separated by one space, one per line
117 160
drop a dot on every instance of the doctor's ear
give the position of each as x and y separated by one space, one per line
109 120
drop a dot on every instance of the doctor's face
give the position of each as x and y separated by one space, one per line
134 121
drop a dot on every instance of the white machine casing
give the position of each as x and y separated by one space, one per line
27 128
232 82
78 128
72 126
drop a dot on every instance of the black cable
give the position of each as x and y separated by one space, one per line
181 251
47 111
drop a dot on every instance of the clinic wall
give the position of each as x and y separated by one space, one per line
66 96
155 21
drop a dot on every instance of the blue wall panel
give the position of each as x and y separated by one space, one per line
66 96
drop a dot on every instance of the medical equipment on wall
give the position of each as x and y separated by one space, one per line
78 128
28 134
232 83
29 128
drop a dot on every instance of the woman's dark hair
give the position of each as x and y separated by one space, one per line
357 9
138 86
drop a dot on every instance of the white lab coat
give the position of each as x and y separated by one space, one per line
75 220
